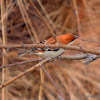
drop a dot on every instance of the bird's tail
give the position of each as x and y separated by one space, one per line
21 54
26 52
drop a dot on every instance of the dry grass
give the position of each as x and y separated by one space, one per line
74 79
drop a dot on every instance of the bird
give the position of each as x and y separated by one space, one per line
66 39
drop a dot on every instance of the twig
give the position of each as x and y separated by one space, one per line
52 81
85 50
25 72
20 63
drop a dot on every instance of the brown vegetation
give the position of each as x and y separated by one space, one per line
75 80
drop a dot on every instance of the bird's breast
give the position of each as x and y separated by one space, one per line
52 54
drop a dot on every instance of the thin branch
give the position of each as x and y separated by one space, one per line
52 81
25 72
85 50
20 63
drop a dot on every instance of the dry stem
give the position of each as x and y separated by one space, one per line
4 39
25 72
85 50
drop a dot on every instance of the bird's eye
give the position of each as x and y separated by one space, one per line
49 50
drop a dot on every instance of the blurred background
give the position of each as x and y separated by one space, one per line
75 80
